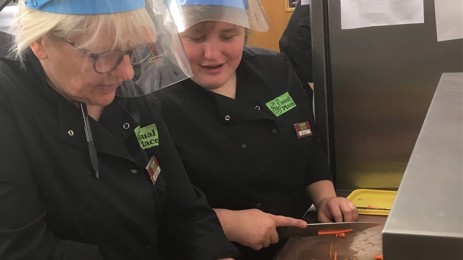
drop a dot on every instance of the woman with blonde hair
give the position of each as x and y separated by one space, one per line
87 167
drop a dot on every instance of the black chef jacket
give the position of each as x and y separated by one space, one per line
237 151
53 207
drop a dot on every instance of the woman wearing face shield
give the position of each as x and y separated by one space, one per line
87 167
244 128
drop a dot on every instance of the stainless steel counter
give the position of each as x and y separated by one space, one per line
426 220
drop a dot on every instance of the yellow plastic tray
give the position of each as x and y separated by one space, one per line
372 202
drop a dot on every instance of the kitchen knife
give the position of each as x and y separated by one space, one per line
313 228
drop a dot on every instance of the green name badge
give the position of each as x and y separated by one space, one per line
281 104
147 136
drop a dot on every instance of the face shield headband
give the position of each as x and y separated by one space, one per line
84 7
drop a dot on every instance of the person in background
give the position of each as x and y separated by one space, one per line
243 127
86 174
296 44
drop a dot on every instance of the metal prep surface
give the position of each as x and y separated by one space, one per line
426 220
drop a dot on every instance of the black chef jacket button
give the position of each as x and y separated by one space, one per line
133 171
243 146
259 205
70 132
274 131
257 107
227 117
126 126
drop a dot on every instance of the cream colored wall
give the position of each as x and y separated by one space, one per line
278 17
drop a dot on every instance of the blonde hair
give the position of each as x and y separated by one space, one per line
127 29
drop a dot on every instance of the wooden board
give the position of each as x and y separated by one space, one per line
364 245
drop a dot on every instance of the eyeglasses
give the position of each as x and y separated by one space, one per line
107 61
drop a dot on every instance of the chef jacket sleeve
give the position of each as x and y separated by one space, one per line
23 231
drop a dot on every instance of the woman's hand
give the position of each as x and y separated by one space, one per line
329 206
254 228
336 209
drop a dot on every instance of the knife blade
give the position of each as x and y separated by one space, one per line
312 229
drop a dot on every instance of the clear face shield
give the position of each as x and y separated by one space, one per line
143 30
248 14
165 63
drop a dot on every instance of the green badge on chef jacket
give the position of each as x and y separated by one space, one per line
147 136
281 104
